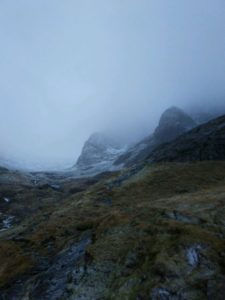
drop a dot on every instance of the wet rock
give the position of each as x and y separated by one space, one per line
56 187
192 255
55 280
163 294
6 221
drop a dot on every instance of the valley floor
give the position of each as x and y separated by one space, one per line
150 232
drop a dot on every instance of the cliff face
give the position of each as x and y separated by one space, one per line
173 123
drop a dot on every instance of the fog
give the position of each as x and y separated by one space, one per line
70 68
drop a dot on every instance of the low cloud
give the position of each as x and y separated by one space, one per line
69 68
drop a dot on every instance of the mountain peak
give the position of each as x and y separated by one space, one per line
101 141
173 122
98 154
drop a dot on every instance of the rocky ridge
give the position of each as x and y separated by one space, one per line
205 142
173 123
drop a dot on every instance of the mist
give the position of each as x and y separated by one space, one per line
70 68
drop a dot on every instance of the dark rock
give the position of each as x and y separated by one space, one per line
163 294
52 281
175 215
206 142
173 123
56 187
76 190
192 255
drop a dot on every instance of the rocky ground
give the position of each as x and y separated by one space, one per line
149 232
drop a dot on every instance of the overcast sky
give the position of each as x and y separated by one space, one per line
69 68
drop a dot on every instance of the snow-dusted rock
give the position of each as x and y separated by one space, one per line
98 155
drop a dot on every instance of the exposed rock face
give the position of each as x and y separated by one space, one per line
173 123
98 155
206 142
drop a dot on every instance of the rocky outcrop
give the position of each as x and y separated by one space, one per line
206 142
173 123
98 155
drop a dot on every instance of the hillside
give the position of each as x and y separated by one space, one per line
155 232
173 123
206 142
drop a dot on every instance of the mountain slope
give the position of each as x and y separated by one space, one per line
158 234
205 142
173 123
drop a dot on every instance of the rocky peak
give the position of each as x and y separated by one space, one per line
100 141
173 123
99 153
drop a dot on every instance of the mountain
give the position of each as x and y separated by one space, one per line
98 155
173 123
205 142
154 231
158 234
203 115
9 164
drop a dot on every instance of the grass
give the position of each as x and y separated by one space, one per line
135 237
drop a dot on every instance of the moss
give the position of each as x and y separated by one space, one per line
136 247
13 262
